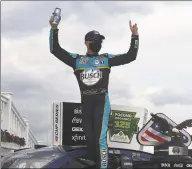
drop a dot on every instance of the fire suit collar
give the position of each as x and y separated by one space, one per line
95 54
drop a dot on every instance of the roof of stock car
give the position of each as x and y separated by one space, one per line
66 148
44 148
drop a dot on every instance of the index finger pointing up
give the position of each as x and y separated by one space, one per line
130 25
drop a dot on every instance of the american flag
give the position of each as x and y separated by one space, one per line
154 134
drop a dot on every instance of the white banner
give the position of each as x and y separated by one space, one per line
129 115
126 122
57 123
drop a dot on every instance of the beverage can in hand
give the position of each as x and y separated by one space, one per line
56 15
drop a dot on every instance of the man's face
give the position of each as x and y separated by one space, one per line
94 46
87 43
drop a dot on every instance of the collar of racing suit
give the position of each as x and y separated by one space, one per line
95 54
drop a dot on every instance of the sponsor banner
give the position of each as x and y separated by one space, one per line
73 133
175 150
57 124
163 164
151 134
123 125
175 165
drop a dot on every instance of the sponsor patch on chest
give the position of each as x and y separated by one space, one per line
91 76
84 60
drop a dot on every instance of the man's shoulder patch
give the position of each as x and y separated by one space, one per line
83 59
104 55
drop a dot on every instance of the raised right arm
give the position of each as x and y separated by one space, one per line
57 51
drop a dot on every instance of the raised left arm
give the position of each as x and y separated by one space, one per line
121 59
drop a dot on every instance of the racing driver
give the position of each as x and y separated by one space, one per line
92 72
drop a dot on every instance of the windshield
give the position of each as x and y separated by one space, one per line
29 159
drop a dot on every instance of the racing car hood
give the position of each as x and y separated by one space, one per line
50 152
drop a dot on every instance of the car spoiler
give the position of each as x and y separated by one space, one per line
21 149
35 147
